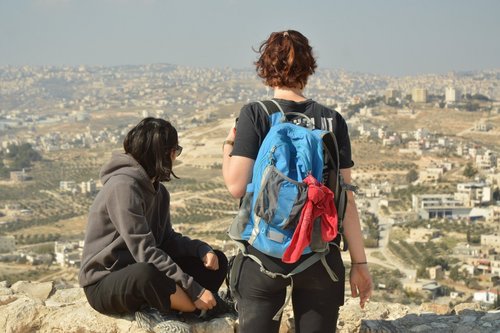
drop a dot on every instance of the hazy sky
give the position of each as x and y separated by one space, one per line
396 37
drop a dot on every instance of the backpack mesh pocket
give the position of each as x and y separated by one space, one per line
280 199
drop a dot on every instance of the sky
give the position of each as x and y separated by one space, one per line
390 37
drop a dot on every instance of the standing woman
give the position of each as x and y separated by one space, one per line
285 63
133 260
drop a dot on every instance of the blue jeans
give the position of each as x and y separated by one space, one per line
315 297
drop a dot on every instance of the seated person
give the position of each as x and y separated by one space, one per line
133 260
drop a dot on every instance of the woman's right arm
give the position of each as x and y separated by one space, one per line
360 278
236 170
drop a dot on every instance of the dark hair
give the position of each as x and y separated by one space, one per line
286 60
151 143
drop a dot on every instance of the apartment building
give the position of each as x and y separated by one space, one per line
429 206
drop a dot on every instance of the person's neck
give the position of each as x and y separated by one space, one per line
292 94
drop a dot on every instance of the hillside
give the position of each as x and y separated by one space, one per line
201 206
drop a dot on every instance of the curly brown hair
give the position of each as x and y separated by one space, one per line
286 60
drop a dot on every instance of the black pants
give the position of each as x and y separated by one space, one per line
315 297
142 284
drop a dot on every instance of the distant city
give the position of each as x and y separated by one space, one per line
428 163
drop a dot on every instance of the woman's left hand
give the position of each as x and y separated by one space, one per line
211 261
361 283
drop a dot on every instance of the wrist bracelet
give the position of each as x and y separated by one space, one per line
227 142
359 263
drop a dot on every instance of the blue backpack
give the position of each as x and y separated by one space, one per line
271 207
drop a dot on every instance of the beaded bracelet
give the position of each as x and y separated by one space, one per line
359 263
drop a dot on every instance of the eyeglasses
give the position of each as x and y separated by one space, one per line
178 150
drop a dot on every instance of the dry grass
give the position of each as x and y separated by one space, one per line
69 228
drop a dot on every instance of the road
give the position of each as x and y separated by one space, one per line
391 261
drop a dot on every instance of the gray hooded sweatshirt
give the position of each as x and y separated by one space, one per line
129 222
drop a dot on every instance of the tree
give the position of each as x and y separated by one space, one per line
471 107
22 155
496 305
455 274
472 283
422 273
469 170
495 280
480 97
496 194
412 176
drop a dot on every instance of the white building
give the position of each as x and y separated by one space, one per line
421 133
486 160
451 95
491 241
392 93
68 185
482 126
467 250
473 194
495 214
495 267
19 176
419 95
432 174
486 296
67 253
88 187
392 140
429 206
480 213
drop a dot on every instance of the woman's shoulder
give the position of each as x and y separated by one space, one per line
252 107
327 110
333 118
253 112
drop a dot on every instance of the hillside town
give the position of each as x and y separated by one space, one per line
430 201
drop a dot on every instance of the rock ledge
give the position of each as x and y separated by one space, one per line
42 307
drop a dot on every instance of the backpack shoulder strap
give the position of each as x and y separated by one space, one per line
336 183
332 150
271 106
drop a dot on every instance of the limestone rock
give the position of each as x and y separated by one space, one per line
459 308
21 315
6 299
38 290
67 310
81 317
435 308
351 314
4 290
65 297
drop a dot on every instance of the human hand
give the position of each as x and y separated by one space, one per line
211 261
206 301
361 283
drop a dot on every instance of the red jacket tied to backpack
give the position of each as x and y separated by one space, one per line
319 203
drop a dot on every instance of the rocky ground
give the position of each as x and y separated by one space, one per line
46 307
